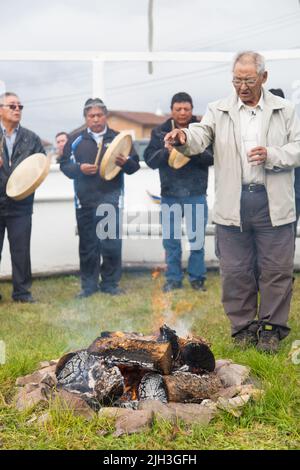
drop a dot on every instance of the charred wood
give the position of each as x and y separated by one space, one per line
184 387
195 353
134 351
152 387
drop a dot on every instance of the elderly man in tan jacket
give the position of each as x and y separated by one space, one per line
256 140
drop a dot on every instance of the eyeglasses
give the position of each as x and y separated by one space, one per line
248 81
13 107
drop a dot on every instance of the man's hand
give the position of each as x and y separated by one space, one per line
257 156
88 169
1 162
177 136
120 160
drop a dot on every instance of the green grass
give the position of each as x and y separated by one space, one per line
59 323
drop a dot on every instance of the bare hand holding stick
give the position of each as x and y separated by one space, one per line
175 137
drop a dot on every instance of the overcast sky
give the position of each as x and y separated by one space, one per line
54 92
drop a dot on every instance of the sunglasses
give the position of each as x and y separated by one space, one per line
13 107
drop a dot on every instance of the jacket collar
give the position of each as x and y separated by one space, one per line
108 134
271 101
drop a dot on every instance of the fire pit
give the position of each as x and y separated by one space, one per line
120 369
133 378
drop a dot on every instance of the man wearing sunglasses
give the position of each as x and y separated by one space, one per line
256 140
16 144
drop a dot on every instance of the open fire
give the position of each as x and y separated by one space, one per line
121 369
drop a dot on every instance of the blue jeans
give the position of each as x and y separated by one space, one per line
194 210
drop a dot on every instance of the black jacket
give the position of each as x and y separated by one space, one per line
26 144
191 179
92 190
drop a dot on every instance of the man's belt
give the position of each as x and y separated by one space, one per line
253 187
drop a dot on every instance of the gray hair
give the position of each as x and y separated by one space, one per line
255 57
94 103
5 95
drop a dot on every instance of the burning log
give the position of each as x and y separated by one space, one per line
110 386
152 387
184 387
195 353
84 374
167 334
131 350
192 351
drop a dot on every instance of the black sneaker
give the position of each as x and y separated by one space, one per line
172 285
268 339
0 296
245 338
198 285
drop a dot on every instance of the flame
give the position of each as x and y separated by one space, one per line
156 273
163 308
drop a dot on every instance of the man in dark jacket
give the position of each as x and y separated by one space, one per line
279 92
183 193
16 144
94 198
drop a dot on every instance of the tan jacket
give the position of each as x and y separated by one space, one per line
280 134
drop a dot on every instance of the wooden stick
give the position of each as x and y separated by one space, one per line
98 153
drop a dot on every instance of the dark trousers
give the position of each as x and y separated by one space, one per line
92 249
258 259
18 232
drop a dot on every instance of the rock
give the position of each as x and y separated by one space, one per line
111 412
251 390
228 392
35 377
70 401
222 362
31 421
25 400
43 419
49 379
133 422
160 410
193 413
210 405
30 387
233 405
232 374
53 362
44 364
